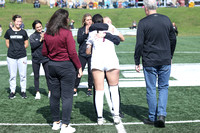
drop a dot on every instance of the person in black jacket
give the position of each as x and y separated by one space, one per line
156 42
36 42
83 57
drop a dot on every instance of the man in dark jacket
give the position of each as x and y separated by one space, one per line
156 43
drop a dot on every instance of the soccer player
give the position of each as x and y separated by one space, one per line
17 42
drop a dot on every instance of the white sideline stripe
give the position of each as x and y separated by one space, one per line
94 124
124 52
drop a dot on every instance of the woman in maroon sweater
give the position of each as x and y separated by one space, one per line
59 47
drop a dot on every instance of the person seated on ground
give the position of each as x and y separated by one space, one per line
107 4
71 5
131 3
125 4
91 5
77 4
95 5
36 4
175 28
191 3
64 3
2 3
115 4
1 30
84 5
134 25
58 3
52 3
100 5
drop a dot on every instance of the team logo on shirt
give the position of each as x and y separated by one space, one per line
16 36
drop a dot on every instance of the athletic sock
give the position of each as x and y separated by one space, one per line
115 98
99 102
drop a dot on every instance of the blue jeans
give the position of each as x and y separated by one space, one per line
151 74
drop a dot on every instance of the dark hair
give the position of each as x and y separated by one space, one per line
36 22
97 18
84 17
15 17
58 20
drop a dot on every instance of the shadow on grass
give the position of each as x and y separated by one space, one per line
33 91
45 111
87 109
139 112
18 90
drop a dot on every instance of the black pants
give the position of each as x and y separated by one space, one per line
36 70
61 79
83 61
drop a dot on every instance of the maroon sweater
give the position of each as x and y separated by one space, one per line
61 47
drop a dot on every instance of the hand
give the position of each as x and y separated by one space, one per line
41 36
101 35
137 68
87 29
80 72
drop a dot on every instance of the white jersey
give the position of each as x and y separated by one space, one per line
103 53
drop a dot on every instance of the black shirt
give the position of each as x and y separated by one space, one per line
16 39
156 41
36 48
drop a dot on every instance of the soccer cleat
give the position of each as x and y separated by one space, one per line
12 95
56 126
67 129
23 94
75 94
89 93
101 121
117 119
37 96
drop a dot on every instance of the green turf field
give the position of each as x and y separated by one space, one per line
183 101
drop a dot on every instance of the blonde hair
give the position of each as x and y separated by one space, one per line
84 17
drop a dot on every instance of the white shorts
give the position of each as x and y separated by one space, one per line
105 64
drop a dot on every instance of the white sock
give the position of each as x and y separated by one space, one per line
115 98
99 102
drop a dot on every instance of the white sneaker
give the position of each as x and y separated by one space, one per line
49 94
67 129
75 94
101 121
117 119
37 96
56 126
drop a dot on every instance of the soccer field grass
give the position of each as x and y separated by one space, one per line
33 116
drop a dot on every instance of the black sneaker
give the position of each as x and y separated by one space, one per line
149 122
23 94
161 121
11 96
89 93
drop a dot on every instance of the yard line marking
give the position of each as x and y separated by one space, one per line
178 52
120 128
125 52
94 124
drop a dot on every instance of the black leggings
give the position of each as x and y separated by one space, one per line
36 70
83 61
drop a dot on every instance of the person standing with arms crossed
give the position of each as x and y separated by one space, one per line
36 42
59 47
156 42
17 42
83 57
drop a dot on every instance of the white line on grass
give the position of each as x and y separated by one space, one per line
125 52
94 124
